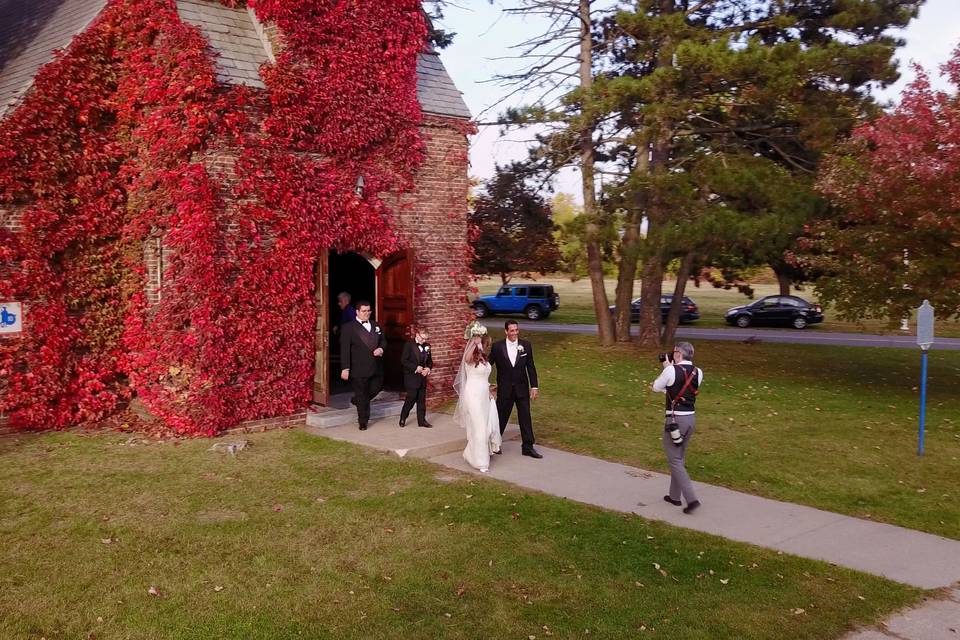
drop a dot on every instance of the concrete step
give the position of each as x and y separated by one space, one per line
329 417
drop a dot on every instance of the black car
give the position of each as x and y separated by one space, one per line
688 309
776 310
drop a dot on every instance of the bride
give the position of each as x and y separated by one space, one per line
476 409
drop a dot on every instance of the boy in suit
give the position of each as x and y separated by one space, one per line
417 362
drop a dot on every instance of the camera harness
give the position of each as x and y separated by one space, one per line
683 389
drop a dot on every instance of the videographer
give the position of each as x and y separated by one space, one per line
680 380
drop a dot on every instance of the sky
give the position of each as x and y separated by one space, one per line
485 34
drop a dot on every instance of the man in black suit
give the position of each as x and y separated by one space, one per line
417 362
516 383
361 356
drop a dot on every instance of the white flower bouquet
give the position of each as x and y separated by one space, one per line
474 330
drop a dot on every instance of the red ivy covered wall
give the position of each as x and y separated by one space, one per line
107 153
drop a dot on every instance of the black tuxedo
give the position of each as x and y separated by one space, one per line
413 383
366 370
514 382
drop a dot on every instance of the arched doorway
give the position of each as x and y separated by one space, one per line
387 285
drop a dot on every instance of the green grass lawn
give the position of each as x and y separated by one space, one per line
302 537
830 427
576 305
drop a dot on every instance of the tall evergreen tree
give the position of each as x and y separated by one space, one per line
759 86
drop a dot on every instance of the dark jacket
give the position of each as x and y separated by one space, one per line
519 377
357 346
412 358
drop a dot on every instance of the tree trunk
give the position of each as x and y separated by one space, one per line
594 255
505 278
652 283
629 253
673 316
783 279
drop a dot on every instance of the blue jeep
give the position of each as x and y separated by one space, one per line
535 301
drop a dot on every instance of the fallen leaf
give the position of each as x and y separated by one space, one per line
218 588
106 540
798 611
724 580
153 591
278 507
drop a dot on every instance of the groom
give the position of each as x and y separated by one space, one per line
516 383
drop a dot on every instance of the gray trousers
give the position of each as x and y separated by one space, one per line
677 458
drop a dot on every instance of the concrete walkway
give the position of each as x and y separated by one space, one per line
911 557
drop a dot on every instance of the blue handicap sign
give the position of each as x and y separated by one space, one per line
7 319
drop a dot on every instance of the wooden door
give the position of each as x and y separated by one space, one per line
395 286
321 367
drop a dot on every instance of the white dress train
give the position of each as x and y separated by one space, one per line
477 413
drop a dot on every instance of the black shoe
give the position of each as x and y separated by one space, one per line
498 452
675 503
353 401
363 427
425 424
533 453
691 506
403 422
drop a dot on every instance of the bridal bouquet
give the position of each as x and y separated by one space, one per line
474 330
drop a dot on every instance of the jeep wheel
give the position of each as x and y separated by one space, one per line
799 322
743 321
533 312
481 310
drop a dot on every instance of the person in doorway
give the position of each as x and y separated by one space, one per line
417 362
347 312
680 380
361 358
516 383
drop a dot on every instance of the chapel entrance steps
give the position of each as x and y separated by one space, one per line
411 441
341 412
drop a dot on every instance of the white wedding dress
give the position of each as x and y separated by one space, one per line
477 413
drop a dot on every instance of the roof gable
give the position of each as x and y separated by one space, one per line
32 30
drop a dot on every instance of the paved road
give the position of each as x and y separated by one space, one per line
789 336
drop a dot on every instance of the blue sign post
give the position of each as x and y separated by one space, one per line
924 339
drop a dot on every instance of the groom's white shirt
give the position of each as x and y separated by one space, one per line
512 352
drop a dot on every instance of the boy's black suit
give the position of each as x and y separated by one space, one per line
415 355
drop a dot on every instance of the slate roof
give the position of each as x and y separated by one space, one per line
32 30
436 91
233 34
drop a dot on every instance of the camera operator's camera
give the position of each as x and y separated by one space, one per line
665 357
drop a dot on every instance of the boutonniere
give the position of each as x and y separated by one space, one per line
378 329
519 348
426 347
